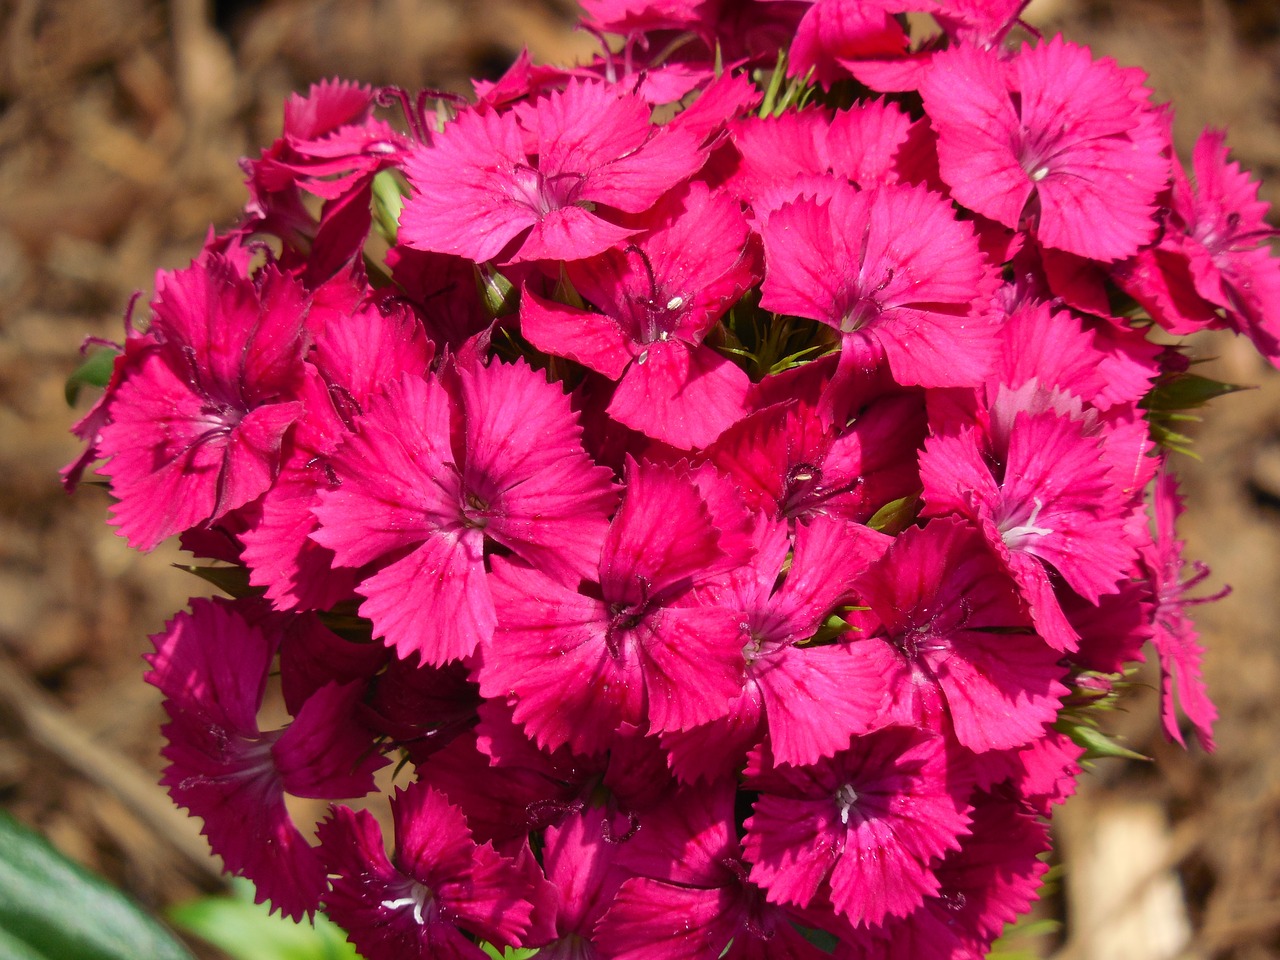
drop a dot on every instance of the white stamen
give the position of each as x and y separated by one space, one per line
675 303
1039 174
1015 535
418 901
846 797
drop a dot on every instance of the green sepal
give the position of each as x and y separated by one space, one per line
511 953
895 516
1185 391
94 372
53 909
1173 394
388 200
245 930
499 294
1096 743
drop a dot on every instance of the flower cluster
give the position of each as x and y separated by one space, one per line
720 473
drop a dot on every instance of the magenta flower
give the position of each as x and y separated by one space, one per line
1080 151
526 184
690 895
1214 263
894 271
1042 490
810 700
196 430
437 884
834 34
355 356
659 297
1175 635
513 474
990 881
211 665
629 648
787 463
864 827
954 639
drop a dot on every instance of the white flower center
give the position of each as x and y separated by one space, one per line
846 797
418 898
1017 532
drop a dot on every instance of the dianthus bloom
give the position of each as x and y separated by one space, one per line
538 173
725 495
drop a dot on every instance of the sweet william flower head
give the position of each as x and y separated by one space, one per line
714 492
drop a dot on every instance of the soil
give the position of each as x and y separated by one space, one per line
120 125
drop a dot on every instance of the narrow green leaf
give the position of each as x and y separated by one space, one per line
233 581
52 909
247 931
94 372
824 941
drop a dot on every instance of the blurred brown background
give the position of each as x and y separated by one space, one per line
120 125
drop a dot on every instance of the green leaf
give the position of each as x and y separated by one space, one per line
824 941
52 909
94 372
511 953
233 581
246 930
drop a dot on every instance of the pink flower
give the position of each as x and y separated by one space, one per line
1175 635
525 184
1081 151
1214 256
865 826
196 428
437 884
991 880
330 142
811 700
787 463
953 639
211 665
579 663
1042 490
659 297
514 473
894 271
835 34
355 355
690 895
